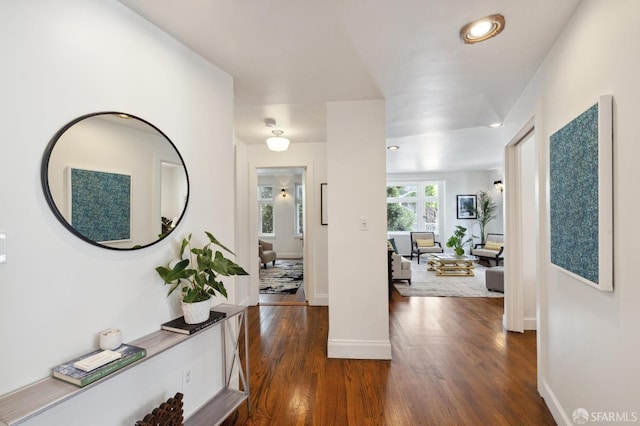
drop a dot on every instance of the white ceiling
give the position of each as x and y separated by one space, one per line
289 57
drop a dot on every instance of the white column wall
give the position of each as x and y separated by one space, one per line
358 289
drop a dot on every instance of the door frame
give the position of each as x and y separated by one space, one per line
307 260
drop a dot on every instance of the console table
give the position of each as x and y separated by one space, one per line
31 400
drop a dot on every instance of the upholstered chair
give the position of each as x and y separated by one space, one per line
266 253
424 242
491 250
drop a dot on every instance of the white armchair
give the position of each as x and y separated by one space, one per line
400 268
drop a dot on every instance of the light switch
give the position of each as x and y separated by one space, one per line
364 223
3 246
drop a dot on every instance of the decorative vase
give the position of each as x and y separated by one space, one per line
195 313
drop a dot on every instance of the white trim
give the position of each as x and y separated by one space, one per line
530 323
513 294
321 299
553 404
359 349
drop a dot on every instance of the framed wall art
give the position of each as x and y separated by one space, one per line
580 196
466 205
324 211
100 204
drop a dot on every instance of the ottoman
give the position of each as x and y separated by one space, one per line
494 279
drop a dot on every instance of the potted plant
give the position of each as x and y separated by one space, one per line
457 241
197 271
485 212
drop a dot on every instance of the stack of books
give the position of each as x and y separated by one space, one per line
74 371
179 325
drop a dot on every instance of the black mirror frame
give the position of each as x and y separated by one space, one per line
44 179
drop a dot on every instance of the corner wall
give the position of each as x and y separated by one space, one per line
358 288
589 342
63 60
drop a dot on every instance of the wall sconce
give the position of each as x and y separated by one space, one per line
498 185
284 193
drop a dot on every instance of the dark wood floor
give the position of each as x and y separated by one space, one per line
452 365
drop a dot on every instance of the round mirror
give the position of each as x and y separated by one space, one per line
115 180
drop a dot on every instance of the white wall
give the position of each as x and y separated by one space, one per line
358 289
589 339
62 60
313 158
285 241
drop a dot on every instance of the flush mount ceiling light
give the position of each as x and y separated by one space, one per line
495 125
393 147
277 142
482 29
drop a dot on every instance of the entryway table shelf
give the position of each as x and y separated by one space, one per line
29 401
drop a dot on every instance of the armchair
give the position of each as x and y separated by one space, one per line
266 253
400 268
492 249
424 242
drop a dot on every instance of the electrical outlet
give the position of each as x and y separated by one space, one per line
186 378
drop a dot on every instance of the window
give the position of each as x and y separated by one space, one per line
413 207
265 209
299 209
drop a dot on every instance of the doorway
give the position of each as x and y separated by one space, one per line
281 207
522 231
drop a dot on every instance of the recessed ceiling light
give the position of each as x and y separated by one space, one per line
482 29
393 147
494 125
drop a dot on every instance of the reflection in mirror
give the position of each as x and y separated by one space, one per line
115 181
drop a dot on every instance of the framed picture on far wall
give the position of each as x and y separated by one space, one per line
324 210
466 206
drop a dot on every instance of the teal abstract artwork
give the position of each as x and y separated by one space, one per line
101 205
574 213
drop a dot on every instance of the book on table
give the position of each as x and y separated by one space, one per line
78 377
179 325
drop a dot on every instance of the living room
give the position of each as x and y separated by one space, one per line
70 58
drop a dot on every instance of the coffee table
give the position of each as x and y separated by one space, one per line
449 265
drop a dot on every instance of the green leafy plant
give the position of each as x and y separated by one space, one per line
198 270
485 212
457 241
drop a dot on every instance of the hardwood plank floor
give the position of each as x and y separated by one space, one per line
452 365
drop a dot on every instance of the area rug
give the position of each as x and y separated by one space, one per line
283 278
426 284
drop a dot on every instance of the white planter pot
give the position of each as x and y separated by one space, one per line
195 313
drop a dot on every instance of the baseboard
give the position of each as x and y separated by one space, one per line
554 405
320 300
289 256
530 323
359 349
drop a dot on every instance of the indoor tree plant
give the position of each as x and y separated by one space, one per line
485 211
197 271
457 241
